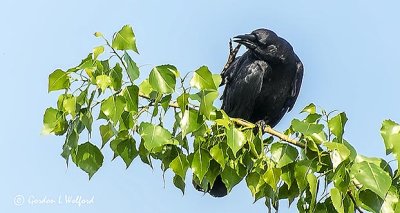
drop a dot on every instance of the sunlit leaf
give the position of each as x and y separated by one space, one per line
125 39
283 154
200 163
97 51
103 81
218 155
154 136
54 122
180 165
163 78
106 132
311 109
313 183
336 125
306 128
390 132
372 177
203 79
131 94
336 197
190 122
113 107
272 177
206 103
58 80
235 139
339 152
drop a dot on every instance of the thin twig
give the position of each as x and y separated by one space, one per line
232 55
354 202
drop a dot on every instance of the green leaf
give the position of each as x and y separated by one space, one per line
71 143
235 139
125 148
163 78
97 51
106 132
218 155
341 178
371 201
190 122
206 103
254 183
339 152
336 197
311 109
69 105
144 154
302 169
88 158
283 154
132 68
288 174
203 79
180 165
58 80
213 172
391 201
145 88
313 183
272 177
306 128
200 163
336 125
154 136
103 81
179 183
54 122
230 177
372 177
113 107
131 94
125 39
183 101
116 77
87 119
98 34
390 133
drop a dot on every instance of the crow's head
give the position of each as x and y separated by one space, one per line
259 41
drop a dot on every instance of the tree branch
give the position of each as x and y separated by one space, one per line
270 131
245 123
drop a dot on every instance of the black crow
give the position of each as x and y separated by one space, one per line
261 85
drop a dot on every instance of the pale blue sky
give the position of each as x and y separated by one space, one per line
350 51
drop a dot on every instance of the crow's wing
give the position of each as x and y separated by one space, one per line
244 87
295 89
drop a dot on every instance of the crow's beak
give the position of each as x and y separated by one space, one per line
248 40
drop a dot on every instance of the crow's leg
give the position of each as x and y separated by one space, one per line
260 125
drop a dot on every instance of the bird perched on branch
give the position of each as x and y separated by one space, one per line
261 85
